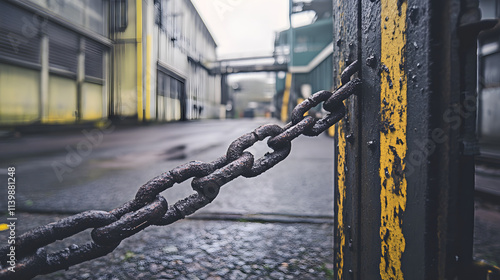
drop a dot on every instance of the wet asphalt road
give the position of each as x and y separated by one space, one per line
103 168
275 226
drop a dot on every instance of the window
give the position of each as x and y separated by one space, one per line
90 14
20 34
492 70
120 15
94 53
158 13
163 84
96 18
63 48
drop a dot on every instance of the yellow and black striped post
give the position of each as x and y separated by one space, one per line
404 181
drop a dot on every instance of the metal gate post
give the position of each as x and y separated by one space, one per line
404 167
346 43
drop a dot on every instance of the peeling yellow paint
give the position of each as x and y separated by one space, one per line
340 200
393 105
341 157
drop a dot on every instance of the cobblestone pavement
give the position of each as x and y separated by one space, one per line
194 249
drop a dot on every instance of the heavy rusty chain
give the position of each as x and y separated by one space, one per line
150 208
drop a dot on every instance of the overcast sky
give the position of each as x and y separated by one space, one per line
243 28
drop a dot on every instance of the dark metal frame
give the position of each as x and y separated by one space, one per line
439 68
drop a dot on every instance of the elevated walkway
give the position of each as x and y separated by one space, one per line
247 65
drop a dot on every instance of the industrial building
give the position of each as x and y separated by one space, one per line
308 52
64 62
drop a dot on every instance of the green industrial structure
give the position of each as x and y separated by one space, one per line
308 52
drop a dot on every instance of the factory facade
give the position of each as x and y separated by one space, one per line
64 62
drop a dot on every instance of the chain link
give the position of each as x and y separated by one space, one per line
150 208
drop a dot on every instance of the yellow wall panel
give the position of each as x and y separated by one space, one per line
19 94
91 101
126 83
62 100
